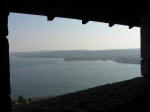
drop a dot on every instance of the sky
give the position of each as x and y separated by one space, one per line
35 33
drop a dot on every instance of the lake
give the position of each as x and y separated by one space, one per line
41 77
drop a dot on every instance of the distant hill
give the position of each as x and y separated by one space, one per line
123 55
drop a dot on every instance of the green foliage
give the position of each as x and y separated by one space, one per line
21 100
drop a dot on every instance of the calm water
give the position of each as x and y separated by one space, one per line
49 77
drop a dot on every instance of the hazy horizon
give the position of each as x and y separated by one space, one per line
74 50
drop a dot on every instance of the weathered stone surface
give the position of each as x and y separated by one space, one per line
145 45
126 96
4 61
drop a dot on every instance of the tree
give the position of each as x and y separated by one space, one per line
21 100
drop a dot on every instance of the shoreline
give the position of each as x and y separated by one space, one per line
83 59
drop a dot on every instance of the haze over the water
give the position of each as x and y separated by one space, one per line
35 33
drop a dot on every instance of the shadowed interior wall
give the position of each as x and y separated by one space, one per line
4 61
125 14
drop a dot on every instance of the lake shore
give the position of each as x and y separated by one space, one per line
115 59
130 56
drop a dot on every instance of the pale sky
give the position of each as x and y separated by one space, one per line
35 33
